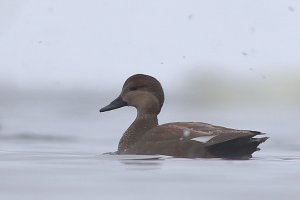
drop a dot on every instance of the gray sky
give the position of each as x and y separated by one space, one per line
100 43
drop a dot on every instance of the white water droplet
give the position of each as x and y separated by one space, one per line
186 133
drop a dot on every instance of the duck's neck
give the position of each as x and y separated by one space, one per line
136 131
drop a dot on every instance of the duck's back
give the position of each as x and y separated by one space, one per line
197 139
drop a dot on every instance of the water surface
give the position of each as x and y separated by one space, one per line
53 154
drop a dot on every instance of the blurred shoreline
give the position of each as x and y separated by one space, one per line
203 88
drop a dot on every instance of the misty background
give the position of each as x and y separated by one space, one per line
74 56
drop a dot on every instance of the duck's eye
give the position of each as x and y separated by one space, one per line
133 88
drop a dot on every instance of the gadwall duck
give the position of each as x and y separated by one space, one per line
179 139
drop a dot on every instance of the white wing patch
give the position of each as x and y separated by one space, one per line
204 139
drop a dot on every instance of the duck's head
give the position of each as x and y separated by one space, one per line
141 91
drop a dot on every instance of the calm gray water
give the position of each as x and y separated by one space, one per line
55 152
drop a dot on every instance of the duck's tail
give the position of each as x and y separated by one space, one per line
239 148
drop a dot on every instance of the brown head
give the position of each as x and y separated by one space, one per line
142 92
